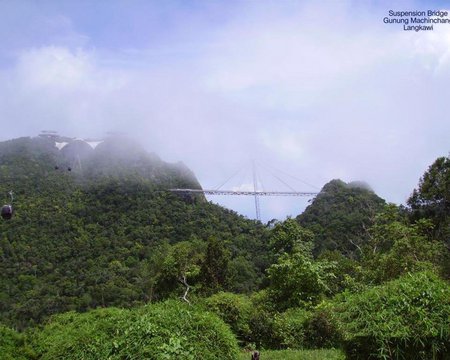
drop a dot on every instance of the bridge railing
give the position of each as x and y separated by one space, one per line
250 193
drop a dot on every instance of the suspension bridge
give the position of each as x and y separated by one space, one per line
255 191
255 188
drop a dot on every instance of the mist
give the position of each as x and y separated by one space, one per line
318 91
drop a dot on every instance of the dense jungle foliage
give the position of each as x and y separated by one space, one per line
341 215
81 239
103 262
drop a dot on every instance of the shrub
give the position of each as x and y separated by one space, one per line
90 335
297 280
298 328
234 310
407 318
320 328
170 330
174 330
261 321
12 345
261 329
289 328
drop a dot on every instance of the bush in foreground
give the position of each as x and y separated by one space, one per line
12 346
169 330
289 328
407 318
298 328
235 310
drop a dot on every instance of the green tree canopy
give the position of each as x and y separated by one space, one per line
296 279
431 200
396 247
340 215
214 269
288 236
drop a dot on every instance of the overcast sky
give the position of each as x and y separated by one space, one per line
318 91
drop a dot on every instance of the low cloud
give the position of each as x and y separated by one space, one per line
346 97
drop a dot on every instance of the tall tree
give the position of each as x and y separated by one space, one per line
397 247
298 280
288 236
431 200
214 269
182 264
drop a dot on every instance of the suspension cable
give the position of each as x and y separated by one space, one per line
293 177
280 180
234 174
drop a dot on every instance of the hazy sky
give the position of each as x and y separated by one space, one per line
319 91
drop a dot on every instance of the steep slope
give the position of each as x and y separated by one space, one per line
339 215
96 235
32 161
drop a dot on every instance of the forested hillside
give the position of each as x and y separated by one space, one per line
98 235
101 261
340 216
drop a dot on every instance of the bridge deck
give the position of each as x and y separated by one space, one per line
252 193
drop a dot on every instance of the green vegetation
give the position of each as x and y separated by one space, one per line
235 310
290 328
168 330
396 248
94 237
408 318
12 344
298 280
340 215
103 262
431 200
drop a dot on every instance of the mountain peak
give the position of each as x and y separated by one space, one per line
339 215
88 159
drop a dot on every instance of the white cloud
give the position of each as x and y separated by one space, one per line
55 68
433 49
350 97
54 87
285 144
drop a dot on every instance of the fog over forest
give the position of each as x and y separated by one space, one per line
318 91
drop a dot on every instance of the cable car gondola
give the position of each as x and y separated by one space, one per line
7 212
